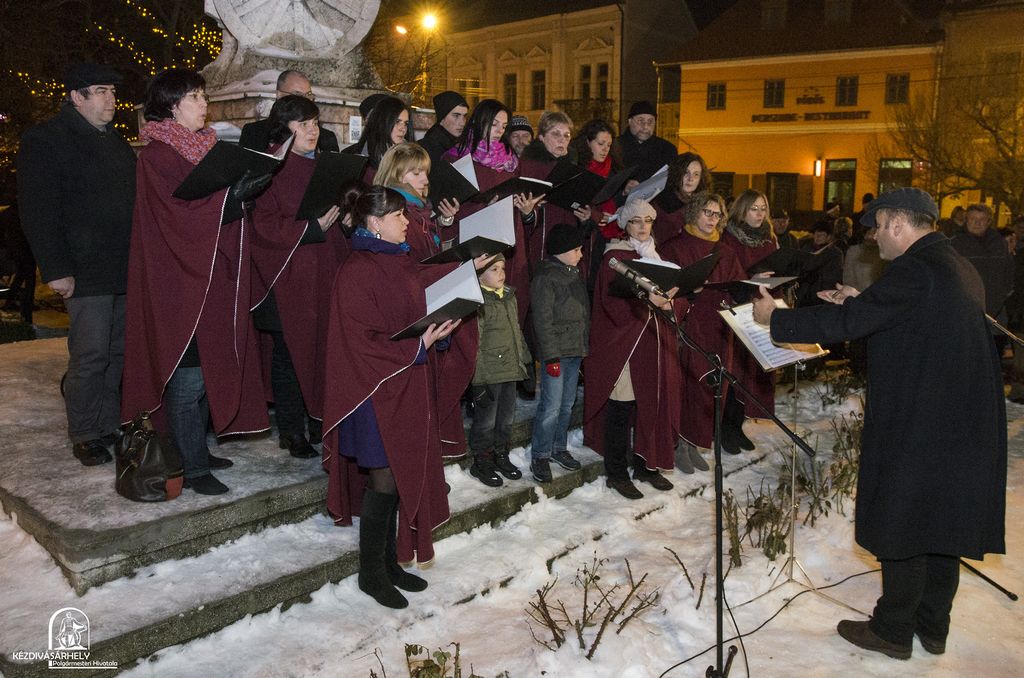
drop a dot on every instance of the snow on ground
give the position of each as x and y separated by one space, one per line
482 582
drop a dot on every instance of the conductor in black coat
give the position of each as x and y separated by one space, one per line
932 484
256 135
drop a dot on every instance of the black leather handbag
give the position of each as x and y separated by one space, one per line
148 465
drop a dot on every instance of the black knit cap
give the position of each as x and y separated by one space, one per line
88 74
367 104
563 238
519 123
642 108
446 101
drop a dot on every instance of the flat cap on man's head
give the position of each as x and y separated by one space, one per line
642 108
910 199
88 74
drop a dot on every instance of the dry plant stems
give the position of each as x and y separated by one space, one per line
845 466
682 565
838 384
425 664
732 526
598 608
767 516
703 581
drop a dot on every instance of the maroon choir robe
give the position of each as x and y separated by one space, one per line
375 296
188 275
707 328
301 275
670 216
626 330
548 215
745 366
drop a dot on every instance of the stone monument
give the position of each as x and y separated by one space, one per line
321 38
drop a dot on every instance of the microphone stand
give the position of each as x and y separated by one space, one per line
718 376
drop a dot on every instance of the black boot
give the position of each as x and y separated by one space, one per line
483 469
406 581
505 467
733 437
373 537
616 448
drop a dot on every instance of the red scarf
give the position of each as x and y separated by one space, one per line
604 169
192 146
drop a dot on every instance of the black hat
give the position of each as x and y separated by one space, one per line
912 199
446 101
563 238
642 108
780 213
519 123
87 74
367 104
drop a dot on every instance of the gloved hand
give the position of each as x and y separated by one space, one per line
553 368
249 185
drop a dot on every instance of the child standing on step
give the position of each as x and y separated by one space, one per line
501 362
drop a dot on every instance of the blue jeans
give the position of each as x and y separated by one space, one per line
557 395
188 417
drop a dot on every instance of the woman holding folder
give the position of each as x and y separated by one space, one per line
700 319
632 368
687 176
381 444
191 354
748 235
295 260
592 147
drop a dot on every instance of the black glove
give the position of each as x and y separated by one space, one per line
249 185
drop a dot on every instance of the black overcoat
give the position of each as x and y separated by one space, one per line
933 462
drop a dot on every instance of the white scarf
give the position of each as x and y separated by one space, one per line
645 249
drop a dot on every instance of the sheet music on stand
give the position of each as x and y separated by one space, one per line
757 339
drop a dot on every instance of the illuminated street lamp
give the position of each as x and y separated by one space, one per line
429 23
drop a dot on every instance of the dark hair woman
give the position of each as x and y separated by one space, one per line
687 176
295 261
387 125
700 236
190 351
379 400
632 368
484 135
592 149
749 237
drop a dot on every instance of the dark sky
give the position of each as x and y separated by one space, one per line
703 10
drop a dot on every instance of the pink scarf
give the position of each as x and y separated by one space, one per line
192 146
497 157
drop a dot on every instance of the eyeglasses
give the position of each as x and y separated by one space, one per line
304 95
712 214
196 96
636 221
559 135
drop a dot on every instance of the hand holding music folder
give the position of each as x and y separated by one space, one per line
489 231
333 170
454 296
757 338
225 164
667 275
514 186
448 183
790 262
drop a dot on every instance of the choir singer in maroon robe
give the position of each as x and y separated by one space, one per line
632 370
190 349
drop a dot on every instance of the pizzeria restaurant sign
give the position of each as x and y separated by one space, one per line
811 117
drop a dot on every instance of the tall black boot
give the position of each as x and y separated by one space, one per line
373 537
406 581
733 437
616 448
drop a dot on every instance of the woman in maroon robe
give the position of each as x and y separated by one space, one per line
380 419
702 323
189 342
592 148
632 370
387 124
687 176
295 261
405 168
749 236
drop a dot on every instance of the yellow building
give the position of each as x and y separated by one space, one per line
797 99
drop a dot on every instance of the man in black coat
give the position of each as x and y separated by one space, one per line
932 484
986 249
76 192
450 110
640 146
256 135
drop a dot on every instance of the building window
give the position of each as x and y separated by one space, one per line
897 88
470 88
781 190
774 93
602 80
722 182
840 183
1003 73
538 90
894 173
509 90
773 14
716 96
838 11
846 90
585 71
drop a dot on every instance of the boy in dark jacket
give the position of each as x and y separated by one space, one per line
561 326
500 363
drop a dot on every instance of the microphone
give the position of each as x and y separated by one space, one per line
632 276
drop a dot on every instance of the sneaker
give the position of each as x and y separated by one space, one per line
541 469
483 470
656 480
505 467
932 645
205 484
218 463
91 453
298 446
625 487
566 460
860 634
